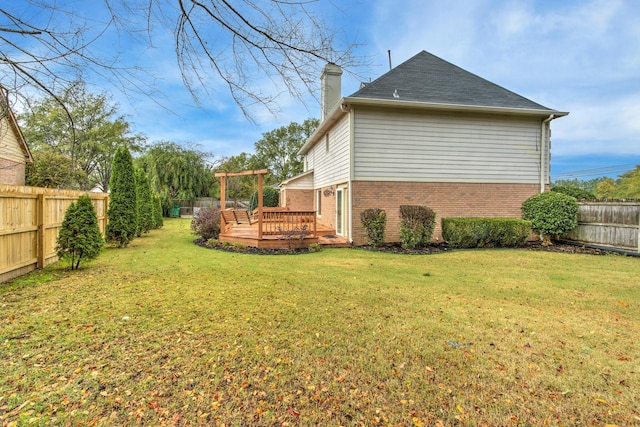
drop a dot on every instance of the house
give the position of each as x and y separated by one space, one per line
14 152
425 133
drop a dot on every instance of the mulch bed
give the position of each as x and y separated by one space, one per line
531 246
426 250
252 250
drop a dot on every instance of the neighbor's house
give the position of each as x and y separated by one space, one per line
14 152
425 133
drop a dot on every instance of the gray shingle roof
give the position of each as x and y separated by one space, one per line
427 78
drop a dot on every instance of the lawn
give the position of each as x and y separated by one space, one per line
168 333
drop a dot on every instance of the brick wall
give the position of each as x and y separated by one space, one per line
297 200
446 199
11 173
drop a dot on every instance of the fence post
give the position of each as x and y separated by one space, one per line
41 237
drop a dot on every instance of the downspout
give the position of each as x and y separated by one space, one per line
544 136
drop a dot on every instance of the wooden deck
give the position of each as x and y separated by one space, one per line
281 229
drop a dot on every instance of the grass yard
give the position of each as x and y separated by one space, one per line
168 333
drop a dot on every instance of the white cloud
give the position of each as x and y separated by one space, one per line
599 127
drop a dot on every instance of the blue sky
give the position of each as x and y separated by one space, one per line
576 56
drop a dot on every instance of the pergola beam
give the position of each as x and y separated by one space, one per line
243 173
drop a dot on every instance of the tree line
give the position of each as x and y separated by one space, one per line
625 186
74 148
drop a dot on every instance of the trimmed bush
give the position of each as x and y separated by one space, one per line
551 214
270 198
79 237
206 223
576 192
416 225
485 232
374 221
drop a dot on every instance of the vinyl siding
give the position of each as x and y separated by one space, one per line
332 166
445 147
10 147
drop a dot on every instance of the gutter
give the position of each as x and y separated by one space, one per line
394 103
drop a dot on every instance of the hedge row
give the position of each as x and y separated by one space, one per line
485 232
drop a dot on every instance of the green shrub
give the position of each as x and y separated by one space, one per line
572 191
551 214
206 223
212 243
315 247
123 205
374 221
79 237
485 232
416 225
270 198
145 203
157 211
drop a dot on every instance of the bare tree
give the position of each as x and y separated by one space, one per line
243 43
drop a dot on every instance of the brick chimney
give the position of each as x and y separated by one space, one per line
331 81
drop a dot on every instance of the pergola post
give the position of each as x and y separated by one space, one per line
223 184
223 192
260 202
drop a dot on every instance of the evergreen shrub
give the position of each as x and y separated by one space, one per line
79 237
485 232
416 225
551 214
145 203
374 221
123 205
158 222
270 198
573 191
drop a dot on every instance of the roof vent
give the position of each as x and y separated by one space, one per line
395 94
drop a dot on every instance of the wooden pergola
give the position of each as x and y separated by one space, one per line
223 190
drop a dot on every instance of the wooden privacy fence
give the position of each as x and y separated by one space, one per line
614 224
30 218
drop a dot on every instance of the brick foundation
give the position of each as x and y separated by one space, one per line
446 199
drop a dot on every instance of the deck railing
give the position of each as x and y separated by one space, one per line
289 224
